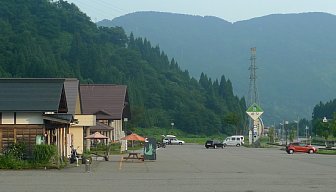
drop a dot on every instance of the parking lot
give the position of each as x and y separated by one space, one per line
188 168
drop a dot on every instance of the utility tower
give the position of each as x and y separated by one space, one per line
254 111
253 91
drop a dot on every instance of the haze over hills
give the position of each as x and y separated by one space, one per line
48 39
295 54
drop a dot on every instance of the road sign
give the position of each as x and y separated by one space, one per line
254 111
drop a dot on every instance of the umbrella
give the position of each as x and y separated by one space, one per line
96 135
133 137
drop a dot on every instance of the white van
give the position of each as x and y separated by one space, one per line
234 140
171 140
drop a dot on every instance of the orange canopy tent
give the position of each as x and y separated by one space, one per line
133 137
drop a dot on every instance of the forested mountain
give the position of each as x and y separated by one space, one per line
41 38
295 54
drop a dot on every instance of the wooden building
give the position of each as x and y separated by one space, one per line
34 111
110 104
75 136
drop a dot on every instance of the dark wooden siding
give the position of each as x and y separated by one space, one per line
26 134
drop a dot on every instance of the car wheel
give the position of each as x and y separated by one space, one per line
291 151
224 145
238 145
207 147
180 143
310 151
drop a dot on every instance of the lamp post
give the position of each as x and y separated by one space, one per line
307 134
286 130
125 126
325 120
297 129
281 132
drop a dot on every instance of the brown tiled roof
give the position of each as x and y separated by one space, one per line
100 127
106 101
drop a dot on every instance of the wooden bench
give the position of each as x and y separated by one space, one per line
134 156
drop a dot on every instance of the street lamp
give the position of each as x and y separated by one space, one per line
297 129
286 130
281 132
125 127
307 134
325 120
172 125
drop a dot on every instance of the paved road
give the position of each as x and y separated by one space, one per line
188 168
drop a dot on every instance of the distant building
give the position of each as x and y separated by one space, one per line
60 112
110 104
34 111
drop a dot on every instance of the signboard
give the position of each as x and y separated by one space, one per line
150 149
39 139
254 111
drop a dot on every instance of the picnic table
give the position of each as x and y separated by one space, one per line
134 155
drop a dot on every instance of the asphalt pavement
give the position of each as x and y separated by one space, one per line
186 168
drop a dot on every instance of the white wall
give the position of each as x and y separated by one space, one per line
7 118
22 118
85 120
29 118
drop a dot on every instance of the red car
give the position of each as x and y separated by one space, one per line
300 147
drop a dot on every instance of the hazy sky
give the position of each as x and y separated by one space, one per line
229 10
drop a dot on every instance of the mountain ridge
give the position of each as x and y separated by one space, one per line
53 39
295 56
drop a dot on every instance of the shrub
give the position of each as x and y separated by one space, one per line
43 154
11 162
15 150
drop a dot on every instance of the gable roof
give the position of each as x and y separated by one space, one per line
100 127
105 100
32 95
71 86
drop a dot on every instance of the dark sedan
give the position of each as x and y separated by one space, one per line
213 144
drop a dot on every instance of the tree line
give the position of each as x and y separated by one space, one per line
41 38
324 119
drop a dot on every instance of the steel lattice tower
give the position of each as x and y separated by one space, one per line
253 91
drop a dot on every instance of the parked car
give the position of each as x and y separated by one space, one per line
234 140
172 140
213 144
300 147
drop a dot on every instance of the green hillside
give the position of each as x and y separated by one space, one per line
295 54
40 38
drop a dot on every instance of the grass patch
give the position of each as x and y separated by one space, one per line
326 151
200 140
188 138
